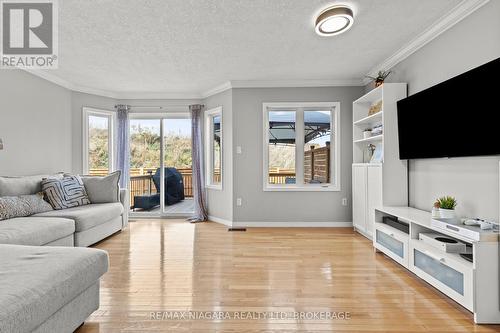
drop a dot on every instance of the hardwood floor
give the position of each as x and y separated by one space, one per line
171 265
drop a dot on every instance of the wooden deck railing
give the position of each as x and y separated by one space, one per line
141 181
279 176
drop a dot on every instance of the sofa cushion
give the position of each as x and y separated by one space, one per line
103 189
35 230
35 282
12 186
23 205
88 216
65 193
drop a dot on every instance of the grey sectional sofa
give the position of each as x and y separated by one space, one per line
46 284
48 289
91 223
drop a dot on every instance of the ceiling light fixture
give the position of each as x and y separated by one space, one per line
334 20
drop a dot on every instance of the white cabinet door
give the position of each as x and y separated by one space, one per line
359 189
374 195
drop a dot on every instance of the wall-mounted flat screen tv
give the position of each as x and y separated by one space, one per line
458 117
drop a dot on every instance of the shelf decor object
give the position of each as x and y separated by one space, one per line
379 177
447 206
375 108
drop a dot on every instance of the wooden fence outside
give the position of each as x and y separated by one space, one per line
317 165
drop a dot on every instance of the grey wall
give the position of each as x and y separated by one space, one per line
220 202
260 206
78 101
35 125
473 180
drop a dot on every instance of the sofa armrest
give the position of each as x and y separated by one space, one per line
124 199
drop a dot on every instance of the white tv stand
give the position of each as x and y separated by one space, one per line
474 285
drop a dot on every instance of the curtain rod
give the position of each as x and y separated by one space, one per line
145 107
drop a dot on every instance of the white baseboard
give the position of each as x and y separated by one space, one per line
221 221
267 224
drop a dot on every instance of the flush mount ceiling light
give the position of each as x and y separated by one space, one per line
334 20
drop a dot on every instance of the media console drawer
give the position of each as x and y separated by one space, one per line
392 242
447 272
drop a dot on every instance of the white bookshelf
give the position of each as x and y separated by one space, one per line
384 182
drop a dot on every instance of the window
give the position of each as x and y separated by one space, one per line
213 147
301 146
98 149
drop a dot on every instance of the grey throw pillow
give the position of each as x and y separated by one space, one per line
12 186
103 189
23 205
65 193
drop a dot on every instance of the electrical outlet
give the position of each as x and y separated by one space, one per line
344 201
238 149
238 202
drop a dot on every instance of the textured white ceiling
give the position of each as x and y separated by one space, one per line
189 46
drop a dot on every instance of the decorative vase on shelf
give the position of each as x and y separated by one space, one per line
367 133
447 206
447 213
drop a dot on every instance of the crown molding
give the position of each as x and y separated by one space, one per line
68 85
217 89
455 15
111 94
280 84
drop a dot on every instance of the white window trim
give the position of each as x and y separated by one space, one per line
111 115
299 150
209 114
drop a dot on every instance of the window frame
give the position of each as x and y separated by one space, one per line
209 132
111 115
335 136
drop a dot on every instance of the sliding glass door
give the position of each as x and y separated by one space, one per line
145 157
177 161
160 165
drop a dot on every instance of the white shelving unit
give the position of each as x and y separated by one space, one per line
385 182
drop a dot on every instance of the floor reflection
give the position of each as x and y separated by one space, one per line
159 266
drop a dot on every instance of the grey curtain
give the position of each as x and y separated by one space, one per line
200 207
123 144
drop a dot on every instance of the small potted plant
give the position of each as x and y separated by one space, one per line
447 206
380 78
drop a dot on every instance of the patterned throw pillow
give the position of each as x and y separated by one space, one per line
65 193
23 205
